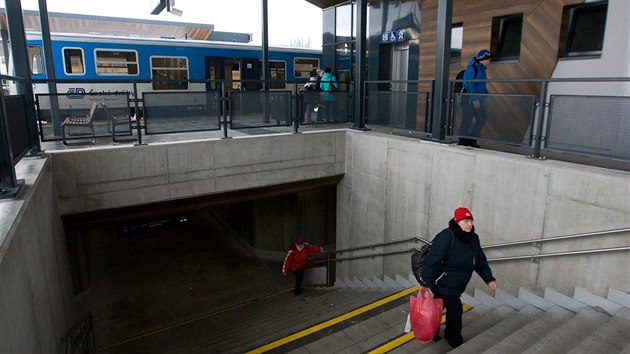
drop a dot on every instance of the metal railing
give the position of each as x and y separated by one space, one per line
332 255
206 105
586 116
18 134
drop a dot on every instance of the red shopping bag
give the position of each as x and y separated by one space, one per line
425 315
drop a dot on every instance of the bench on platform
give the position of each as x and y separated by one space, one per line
116 118
79 121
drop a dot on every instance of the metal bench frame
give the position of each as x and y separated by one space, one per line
115 118
83 120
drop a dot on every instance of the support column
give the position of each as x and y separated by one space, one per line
442 66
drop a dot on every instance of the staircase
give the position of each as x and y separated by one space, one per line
527 323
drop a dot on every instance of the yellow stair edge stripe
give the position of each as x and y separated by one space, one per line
406 337
333 321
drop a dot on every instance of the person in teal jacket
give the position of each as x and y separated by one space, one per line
329 85
473 105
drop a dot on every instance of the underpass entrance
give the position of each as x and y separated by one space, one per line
143 275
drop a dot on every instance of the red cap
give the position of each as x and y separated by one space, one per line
462 213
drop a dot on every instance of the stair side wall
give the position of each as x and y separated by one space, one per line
418 185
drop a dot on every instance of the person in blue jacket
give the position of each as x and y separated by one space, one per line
454 254
473 105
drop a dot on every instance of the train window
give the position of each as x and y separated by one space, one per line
278 74
583 28
169 69
304 66
116 62
36 60
73 62
506 37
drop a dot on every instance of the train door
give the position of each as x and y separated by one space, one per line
228 69
251 72
214 72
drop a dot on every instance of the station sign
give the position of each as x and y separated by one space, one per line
397 35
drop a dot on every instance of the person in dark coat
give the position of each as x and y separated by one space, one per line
449 267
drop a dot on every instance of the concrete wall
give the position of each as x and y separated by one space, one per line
395 188
36 297
109 177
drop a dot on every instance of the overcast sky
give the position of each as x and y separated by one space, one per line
288 19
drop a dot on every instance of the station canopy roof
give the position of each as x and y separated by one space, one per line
88 24
322 4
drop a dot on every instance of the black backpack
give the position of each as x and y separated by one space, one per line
458 86
419 255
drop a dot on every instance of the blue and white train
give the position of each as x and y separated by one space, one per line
102 63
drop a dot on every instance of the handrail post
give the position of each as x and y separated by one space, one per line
224 99
298 109
136 107
542 114
9 184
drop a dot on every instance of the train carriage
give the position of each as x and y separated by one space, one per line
91 62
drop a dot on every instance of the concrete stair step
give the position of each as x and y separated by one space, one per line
531 332
255 324
565 301
438 347
533 299
228 334
404 282
568 334
362 335
494 334
476 324
508 299
610 337
488 299
594 300
311 313
619 297
393 283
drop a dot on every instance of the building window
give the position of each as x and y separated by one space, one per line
343 30
302 67
457 40
583 28
506 37
116 62
36 60
277 74
73 61
164 70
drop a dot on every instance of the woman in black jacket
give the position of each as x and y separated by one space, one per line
448 269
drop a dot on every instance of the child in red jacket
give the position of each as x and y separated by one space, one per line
296 260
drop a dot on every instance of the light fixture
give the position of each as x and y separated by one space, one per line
170 7
176 12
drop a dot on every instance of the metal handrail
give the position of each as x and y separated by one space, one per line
379 244
557 238
505 244
556 254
